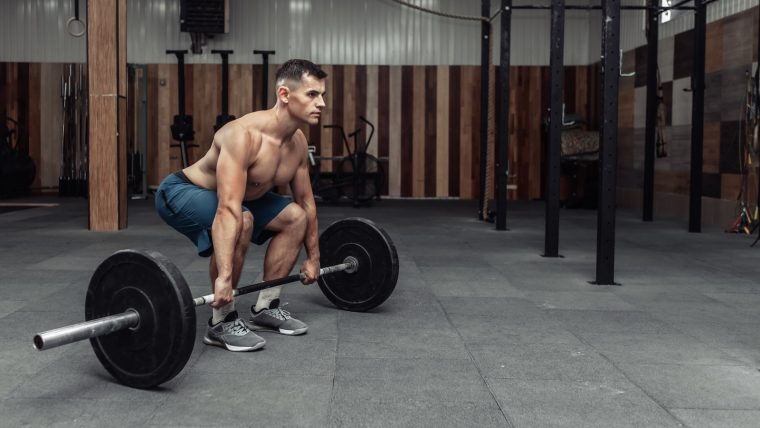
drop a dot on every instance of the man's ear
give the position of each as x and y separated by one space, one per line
282 94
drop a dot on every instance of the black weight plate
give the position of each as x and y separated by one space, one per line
158 348
374 280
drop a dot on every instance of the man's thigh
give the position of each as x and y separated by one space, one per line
264 210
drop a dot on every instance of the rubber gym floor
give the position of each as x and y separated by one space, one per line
481 330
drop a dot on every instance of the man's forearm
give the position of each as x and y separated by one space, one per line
224 232
311 240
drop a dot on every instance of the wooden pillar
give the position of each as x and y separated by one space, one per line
107 83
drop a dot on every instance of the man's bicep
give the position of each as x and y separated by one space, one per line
231 174
301 184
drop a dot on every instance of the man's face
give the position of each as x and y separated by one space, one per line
307 100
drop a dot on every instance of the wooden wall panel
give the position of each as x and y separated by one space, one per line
455 96
407 130
671 182
33 130
338 107
11 96
730 185
737 50
165 102
474 146
713 47
467 91
240 89
427 119
371 105
51 115
395 130
326 135
22 105
441 136
271 89
711 148
257 73
514 131
152 153
360 101
348 105
205 87
429 153
625 107
383 119
4 87
417 163
536 112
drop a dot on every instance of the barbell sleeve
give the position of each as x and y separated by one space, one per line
86 330
349 264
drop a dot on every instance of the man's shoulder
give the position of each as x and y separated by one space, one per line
299 137
239 133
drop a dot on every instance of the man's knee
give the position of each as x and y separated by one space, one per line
295 217
247 228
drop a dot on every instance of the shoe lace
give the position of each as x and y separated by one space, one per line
279 313
238 328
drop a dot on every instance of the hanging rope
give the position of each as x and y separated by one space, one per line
490 133
448 15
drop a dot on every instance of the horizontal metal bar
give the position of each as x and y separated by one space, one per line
86 330
349 264
594 7
337 158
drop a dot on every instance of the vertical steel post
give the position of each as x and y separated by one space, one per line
553 152
503 95
653 32
485 9
697 117
605 249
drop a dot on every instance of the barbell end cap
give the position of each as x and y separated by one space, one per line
39 344
353 264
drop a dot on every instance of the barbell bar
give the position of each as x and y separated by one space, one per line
140 315
131 317
350 264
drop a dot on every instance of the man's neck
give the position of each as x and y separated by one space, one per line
284 126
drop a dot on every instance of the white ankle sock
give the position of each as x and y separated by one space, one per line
266 297
218 315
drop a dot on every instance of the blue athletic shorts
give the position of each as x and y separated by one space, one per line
191 210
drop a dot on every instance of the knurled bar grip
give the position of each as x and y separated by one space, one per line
348 264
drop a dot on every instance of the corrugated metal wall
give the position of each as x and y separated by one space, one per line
633 34
328 32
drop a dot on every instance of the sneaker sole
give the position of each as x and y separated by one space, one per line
255 327
209 341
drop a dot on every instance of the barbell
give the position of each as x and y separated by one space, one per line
140 314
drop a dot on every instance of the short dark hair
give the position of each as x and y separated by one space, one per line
294 69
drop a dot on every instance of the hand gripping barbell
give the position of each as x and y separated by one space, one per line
140 314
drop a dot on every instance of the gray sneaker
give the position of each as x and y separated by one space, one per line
233 335
275 319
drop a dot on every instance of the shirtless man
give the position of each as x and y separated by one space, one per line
223 202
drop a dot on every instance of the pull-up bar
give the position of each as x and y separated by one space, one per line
658 9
